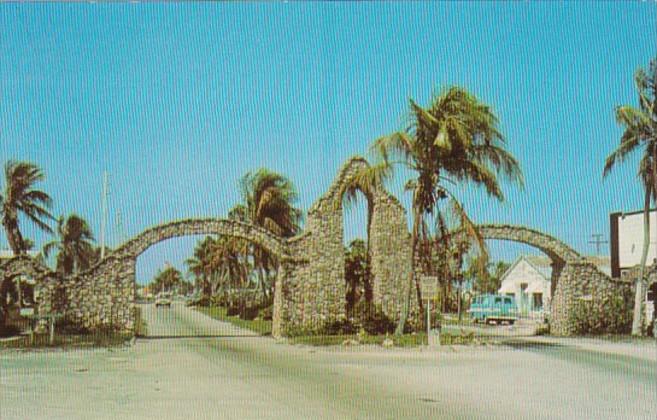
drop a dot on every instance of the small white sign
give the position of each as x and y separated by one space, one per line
434 338
429 287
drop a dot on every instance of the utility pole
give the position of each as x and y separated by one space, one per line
119 226
103 221
597 241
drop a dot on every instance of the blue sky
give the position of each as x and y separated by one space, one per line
177 101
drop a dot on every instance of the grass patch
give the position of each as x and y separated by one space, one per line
621 338
406 340
259 326
68 341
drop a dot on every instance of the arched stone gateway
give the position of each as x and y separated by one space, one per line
46 279
315 293
573 276
310 288
104 295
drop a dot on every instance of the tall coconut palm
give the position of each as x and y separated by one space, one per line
20 197
219 261
640 134
74 245
454 140
268 200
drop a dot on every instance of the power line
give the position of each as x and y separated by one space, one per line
597 241
103 221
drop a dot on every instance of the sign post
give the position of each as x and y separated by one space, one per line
429 290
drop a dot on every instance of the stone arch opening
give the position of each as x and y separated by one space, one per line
357 210
104 295
220 227
322 242
558 252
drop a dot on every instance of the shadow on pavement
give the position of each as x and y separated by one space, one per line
174 337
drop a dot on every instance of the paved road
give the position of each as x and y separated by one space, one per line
197 368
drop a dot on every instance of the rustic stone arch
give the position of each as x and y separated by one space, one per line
24 265
104 295
573 276
310 286
134 247
322 243
549 245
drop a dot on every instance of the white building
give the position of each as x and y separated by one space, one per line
626 240
529 280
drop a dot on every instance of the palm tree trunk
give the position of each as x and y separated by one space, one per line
637 320
14 237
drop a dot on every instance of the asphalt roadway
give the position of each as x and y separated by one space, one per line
194 367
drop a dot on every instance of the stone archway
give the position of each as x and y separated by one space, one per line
317 289
104 295
573 276
46 281
310 285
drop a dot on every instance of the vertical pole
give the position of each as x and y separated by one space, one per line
103 221
428 323
52 330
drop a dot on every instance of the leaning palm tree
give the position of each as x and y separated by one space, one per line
74 245
454 140
20 197
268 200
640 134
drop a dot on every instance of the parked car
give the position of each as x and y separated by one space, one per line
494 308
163 299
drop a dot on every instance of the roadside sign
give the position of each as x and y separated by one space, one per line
428 287
429 290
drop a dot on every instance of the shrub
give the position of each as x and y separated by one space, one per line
372 319
608 316
342 326
8 330
69 326
266 313
202 301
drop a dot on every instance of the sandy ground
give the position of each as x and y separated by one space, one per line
199 368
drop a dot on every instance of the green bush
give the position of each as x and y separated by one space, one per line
266 313
612 316
342 326
372 319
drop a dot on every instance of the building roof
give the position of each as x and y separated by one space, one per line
543 264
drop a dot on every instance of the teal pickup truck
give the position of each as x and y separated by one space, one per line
494 308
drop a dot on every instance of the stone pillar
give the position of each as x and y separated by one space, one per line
562 301
280 311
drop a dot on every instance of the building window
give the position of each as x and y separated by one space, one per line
538 300
652 293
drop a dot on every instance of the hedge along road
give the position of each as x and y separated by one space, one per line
197 367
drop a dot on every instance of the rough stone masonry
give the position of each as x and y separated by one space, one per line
310 289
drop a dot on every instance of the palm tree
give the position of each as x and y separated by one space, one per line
356 274
20 196
167 280
221 261
454 140
268 200
640 133
74 245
